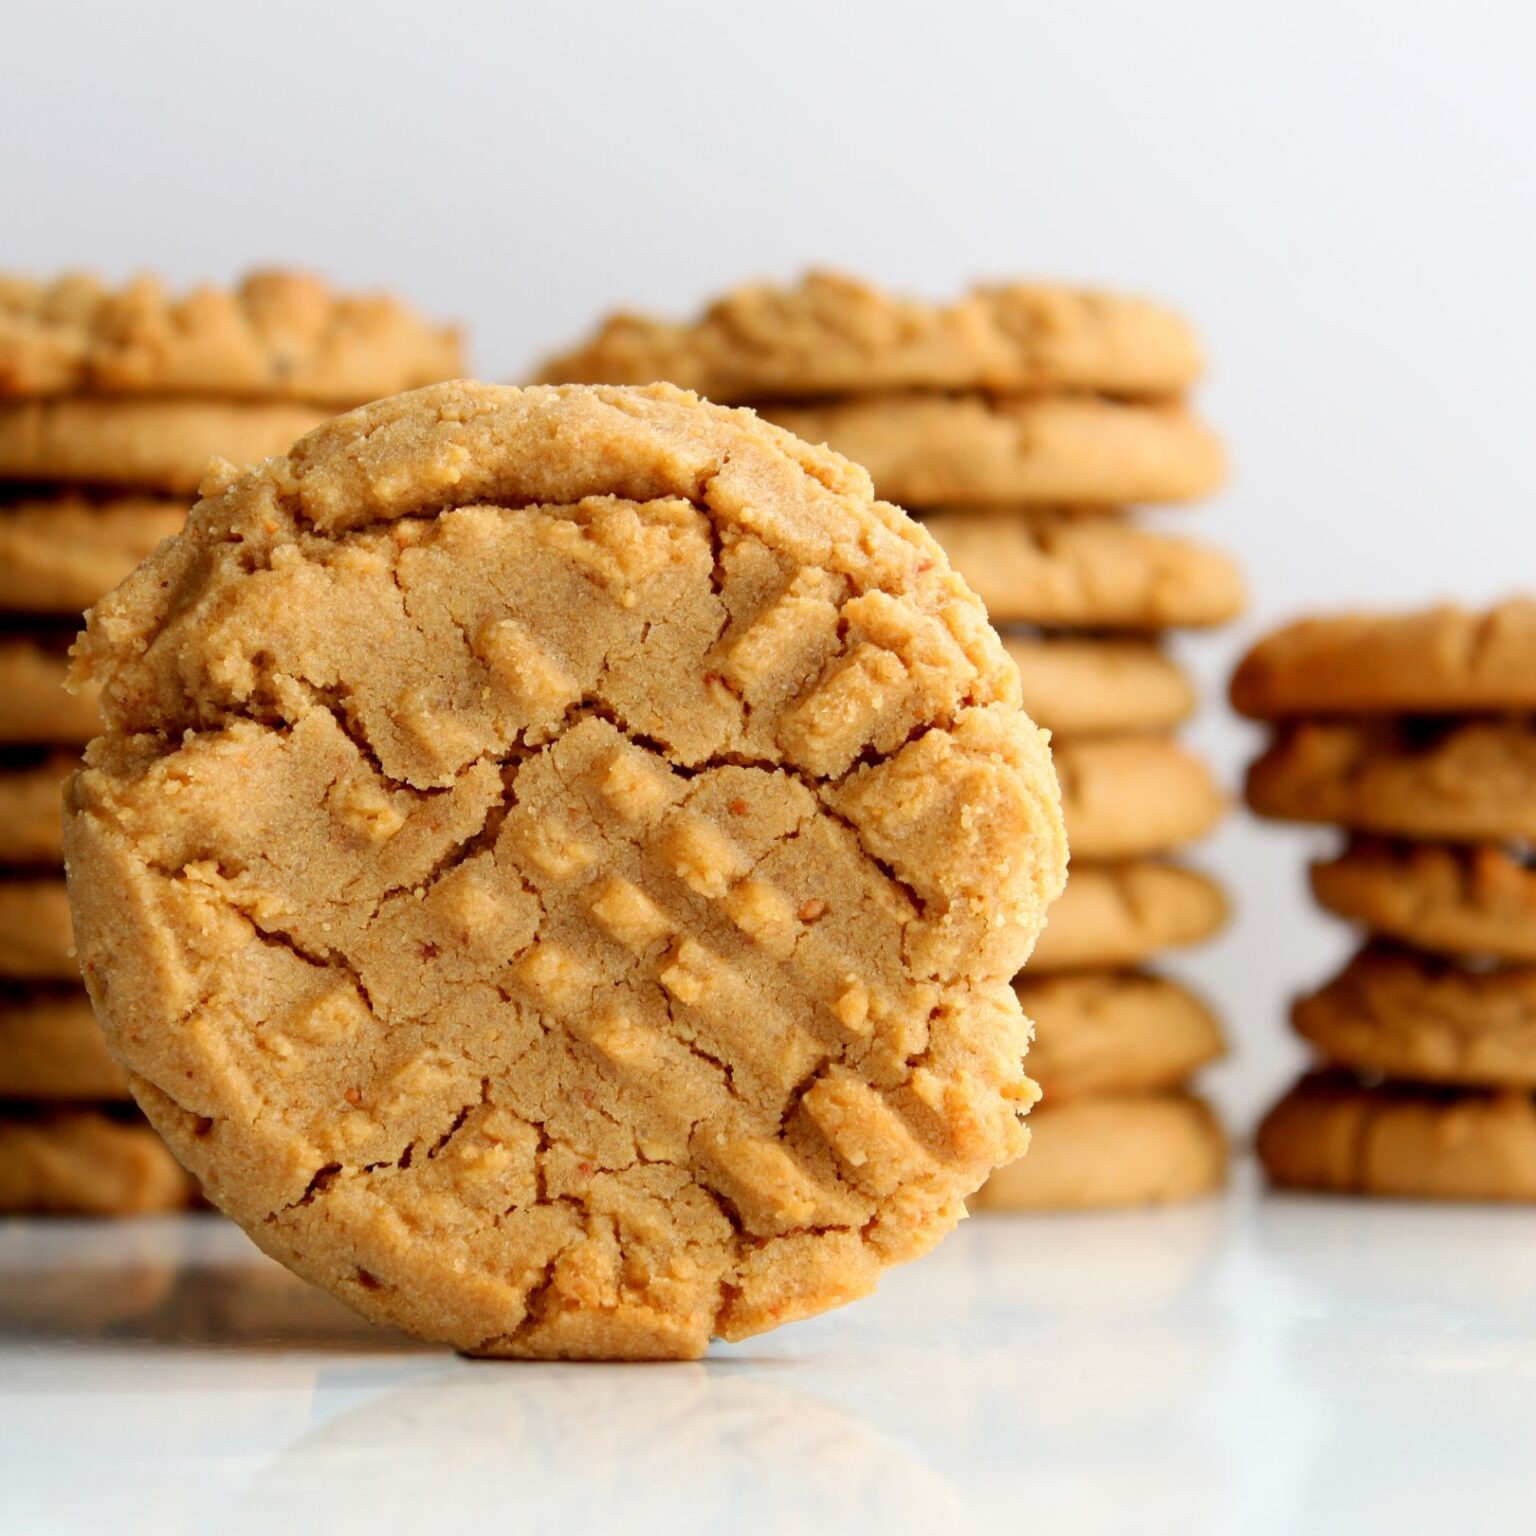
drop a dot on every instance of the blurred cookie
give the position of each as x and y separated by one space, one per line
1100 686
81 1162
1468 781
58 554
832 334
35 936
1114 1032
277 335
1413 1016
1331 1133
599 835
32 809
1456 900
52 1048
1124 797
1442 661
1117 1150
34 707
149 443
1113 915
1087 571
1011 450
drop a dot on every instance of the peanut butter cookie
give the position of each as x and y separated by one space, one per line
1125 797
35 938
1100 686
556 866
51 1048
32 809
81 1162
34 708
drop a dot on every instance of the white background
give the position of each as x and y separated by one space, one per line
1339 193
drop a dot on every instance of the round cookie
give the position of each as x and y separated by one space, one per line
1468 781
1124 797
1113 1151
1012 450
1113 915
1099 686
148 444
58 554
585 917
277 335
1442 661
1330 1133
35 938
35 708
1407 1015
51 1048
1087 571
833 334
81 1162
32 810
1115 1032
1453 900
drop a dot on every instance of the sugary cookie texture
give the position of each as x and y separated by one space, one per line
556 864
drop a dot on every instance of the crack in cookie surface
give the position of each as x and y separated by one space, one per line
674 851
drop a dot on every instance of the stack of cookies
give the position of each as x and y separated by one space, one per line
1017 423
112 403
1415 735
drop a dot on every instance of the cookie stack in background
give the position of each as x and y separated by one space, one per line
112 403
1416 735
1017 422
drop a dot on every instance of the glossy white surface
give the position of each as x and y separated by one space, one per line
1250 1365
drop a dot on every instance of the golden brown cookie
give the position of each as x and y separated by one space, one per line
1125 797
1442 661
832 334
1100 686
1117 1150
277 335
81 1162
1086 571
34 706
1122 914
1468 781
32 809
1453 900
588 904
51 1048
35 939
1013 450
58 554
1331 1133
147 443
1413 1016
1115 1032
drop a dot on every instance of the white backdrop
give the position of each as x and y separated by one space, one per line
1340 193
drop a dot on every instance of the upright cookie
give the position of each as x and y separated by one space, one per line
1125 797
610 941
278 335
35 938
51 1048
1459 901
32 809
1115 1032
35 709
1329 1133
58 554
1087 571
1114 915
832 334
81 1162
1100 686
1002 451
149 443
1408 1015
1112 1151
1444 661
1469 781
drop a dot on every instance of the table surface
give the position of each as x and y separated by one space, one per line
1254 1364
